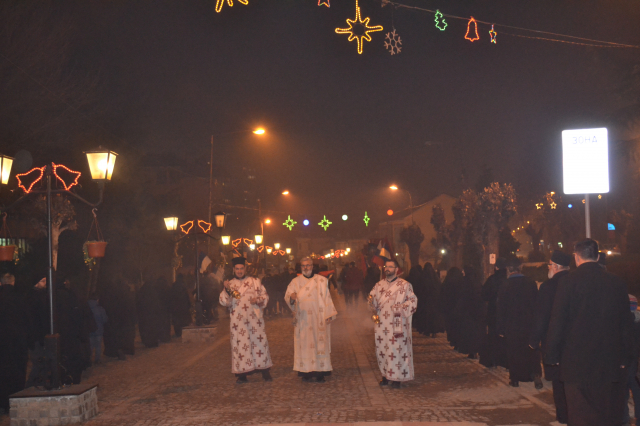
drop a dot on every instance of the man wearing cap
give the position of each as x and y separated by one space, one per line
246 298
558 268
516 308
308 297
589 337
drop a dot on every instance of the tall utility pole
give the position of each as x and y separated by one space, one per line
210 192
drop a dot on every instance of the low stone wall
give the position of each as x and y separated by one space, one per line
72 404
205 333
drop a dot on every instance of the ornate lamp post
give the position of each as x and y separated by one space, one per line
395 188
172 224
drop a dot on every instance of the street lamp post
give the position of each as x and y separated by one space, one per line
395 188
101 164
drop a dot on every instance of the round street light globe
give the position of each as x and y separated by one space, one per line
268 221
285 192
570 206
259 131
345 217
305 222
390 212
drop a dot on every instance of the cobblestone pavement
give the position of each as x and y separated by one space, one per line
191 384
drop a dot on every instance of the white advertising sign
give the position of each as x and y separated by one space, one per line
585 161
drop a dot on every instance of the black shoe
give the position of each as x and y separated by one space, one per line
320 378
538 382
514 383
267 376
306 377
242 379
395 385
384 382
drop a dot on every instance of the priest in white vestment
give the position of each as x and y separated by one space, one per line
394 303
309 298
246 298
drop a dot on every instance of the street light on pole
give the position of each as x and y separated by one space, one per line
395 188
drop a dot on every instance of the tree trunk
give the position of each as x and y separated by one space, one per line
55 236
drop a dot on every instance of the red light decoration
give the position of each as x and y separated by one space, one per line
36 180
475 28
282 252
325 2
73 172
260 249
182 227
269 248
390 212
247 241
275 252
237 242
202 222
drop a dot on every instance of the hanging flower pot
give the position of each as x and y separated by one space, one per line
6 253
96 248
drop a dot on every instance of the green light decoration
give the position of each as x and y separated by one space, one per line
441 25
289 223
366 219
325 223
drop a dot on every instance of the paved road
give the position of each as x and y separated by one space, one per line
191 384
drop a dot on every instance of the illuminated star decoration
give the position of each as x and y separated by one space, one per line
289 223
493 35
208 225
440 24
72 172
359 21
539 206
325 2
220 3
325 223
36 180
475 28
182 227
553 205
366 219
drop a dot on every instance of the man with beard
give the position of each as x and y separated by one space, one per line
590 338
246 298
516 307
558 268
308 297
394 303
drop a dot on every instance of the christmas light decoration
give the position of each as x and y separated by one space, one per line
260 249
390 212
493 35
237 242
539 206
188 228
553 205
73 172
325 223
21 185
392 42
441 24
289 223
247 241
305 222
599 197
282 252
325 2
359 22
366 219
202 224
475 28
220 3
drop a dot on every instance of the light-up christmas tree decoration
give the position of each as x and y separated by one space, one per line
472 35
325 2
359 22
325 223
220 3
289 223
493 35
392 42
366 219
441 24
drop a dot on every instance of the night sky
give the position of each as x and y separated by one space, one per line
343 126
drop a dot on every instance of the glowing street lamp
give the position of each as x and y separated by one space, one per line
267 221
259 131
171 223
258 239
288 250
252 247
269 250
276 246
221 220
395 188
5 168
285 192
226 239
101 163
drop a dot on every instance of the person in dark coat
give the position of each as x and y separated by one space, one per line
420 315
434 323
633 385
164 292
38 305
150 314
371 278
590 338
119 332
516 309
494 352
469 314
180 306
353 284
558 268
14 339
448 300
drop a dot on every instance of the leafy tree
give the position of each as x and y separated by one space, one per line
62 219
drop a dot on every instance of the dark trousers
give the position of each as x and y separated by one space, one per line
351 297
552 373
596 404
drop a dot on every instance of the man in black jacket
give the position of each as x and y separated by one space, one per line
558 268
589 337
